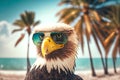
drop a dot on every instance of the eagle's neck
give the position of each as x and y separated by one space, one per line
65 65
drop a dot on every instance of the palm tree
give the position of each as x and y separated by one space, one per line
25 23
114 33
83 15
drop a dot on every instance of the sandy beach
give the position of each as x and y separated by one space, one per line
12 75
86 75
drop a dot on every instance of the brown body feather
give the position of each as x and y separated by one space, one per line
42 74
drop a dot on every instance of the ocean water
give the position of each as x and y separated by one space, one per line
82 64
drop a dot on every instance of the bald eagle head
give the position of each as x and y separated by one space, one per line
56 47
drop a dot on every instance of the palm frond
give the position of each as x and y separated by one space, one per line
113 15
88 25
19 23
36 23
79 31
72 2
67 13
95 15
24 19
19 39
64 2
30 17
116 13
63 11
16 30
107 41
70 17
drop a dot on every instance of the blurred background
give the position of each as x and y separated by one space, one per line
96 22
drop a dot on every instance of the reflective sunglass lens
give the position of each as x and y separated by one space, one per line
37 38
59 38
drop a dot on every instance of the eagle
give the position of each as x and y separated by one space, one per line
56 46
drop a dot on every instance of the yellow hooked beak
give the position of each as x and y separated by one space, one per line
48 46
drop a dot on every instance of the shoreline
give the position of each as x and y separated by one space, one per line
86 75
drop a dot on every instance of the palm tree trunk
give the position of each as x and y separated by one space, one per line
91 61
104 67
106 62
114 65
102 59
28 61
101 56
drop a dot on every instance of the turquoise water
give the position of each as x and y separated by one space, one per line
81 63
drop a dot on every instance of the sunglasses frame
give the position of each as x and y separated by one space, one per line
47 34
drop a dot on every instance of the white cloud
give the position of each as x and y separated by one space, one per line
4 25
4 32
7 41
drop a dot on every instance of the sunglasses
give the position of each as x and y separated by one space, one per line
58 37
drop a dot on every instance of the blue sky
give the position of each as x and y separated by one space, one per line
10 10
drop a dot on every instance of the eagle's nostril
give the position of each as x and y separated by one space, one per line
52 46
49 40
47 50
